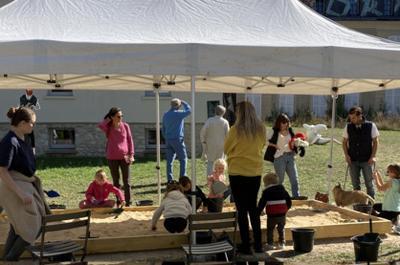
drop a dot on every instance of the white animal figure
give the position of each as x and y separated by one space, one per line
314 136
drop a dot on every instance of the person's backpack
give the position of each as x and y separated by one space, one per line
270 152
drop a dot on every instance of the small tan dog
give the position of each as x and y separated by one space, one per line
344 198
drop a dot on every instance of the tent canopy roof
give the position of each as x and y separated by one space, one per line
255 46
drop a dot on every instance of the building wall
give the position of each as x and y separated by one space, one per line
91 141
91 106
82 111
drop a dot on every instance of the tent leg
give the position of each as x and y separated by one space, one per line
158 142
193 140
334 96
193 148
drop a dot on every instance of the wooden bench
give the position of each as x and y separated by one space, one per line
210 221
47 251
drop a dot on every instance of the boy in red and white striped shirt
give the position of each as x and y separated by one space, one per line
276 201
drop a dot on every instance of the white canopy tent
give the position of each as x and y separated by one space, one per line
253 46
235 46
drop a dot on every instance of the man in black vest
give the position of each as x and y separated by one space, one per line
30 101
360 143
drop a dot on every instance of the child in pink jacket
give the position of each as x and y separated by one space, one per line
98 191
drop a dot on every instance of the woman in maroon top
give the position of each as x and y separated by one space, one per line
119 149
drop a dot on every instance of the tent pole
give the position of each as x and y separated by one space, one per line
193 140
334 96
193 149
158 142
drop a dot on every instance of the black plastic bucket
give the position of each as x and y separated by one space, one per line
366 246
303 239
144 203
204 237
364 208
215 205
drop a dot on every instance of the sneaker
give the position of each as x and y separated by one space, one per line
269 247
280 246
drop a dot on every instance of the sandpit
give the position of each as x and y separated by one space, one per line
134 226
134 223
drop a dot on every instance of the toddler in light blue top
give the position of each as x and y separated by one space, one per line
390 208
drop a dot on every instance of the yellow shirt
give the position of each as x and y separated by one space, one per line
244 154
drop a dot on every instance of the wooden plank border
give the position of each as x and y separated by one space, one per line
168 241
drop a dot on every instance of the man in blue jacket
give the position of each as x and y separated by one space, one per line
173 132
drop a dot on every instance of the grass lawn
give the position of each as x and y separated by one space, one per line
71 176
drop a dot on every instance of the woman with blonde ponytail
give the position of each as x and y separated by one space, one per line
244 150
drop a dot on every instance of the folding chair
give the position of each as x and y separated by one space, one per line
205 222
50 250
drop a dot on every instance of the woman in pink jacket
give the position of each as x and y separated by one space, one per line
98 191
119 149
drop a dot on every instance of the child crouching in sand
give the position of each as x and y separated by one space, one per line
175 208
98 191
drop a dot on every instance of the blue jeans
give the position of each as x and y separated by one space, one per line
355 168
286 163
176 147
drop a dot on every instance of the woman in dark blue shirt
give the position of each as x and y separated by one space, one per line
17 168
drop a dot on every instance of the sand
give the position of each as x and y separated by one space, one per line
134 223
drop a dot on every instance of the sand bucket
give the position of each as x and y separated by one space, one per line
215 205
366 246
144 203
204 237
364 208
303 239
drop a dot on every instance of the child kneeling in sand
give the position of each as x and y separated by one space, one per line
276 201
98 191
175 208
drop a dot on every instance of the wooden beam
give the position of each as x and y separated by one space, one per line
168 241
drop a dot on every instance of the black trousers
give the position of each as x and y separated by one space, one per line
114 166
14 246
279 223
392 216
175 225
245 191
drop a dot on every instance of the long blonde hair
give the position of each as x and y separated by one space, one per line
247 122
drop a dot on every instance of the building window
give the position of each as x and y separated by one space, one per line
351 100
60 93
319 106
161 93
211 105
286 104
62 138
392 98
151 138
255 99
342 8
